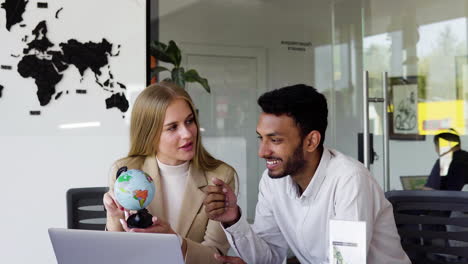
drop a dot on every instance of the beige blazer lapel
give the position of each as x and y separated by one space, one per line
192 201
156 208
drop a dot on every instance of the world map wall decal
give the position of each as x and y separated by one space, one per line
48 62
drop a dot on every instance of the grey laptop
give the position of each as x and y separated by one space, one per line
83 246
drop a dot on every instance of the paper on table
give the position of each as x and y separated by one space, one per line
347 242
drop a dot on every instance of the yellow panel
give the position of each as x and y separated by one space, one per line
435 116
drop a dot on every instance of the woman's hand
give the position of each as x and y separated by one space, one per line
114 212
158 226
113 208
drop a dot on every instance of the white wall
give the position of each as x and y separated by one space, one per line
36 173
40 161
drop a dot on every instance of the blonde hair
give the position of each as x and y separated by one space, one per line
147 121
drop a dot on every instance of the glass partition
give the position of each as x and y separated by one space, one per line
422 45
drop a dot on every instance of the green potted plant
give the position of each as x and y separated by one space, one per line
171 54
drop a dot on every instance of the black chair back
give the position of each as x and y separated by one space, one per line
85 209
432 225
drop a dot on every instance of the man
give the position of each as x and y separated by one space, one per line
305 185
457 174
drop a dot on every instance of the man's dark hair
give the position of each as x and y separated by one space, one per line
450 135
301 102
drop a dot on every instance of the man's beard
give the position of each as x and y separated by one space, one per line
294 165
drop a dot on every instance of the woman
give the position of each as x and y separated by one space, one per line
165 143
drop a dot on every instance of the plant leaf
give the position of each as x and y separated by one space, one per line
159 51
178 77
193 76
174 52
157 70
160 44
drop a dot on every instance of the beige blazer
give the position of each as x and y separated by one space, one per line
204 237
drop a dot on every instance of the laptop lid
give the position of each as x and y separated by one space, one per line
73 246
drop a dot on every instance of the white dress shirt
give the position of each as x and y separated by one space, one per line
173 181
341 188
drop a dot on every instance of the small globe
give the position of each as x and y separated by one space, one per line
134 189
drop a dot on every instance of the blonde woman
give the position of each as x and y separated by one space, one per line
165 143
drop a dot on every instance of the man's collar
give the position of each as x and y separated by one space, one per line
316 182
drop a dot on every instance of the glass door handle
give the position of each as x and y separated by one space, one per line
384 101
386 149
365 118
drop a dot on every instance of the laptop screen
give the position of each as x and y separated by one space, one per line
73 246
413 182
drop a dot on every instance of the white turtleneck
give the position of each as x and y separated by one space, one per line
173 180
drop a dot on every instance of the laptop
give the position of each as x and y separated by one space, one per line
413 182
72 246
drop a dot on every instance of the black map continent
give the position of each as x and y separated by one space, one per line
46 65
14 11
43 72
86 55
1 89
39 66
119 101
40 43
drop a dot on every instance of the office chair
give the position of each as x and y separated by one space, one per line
426 221
85 209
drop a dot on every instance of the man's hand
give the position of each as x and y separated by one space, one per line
221 203
229 260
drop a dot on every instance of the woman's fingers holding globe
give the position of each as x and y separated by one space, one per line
112 196
128 213
158 226
112 207
115 201
137 230
124 225
123 222
108 202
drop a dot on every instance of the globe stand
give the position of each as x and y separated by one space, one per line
141 219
